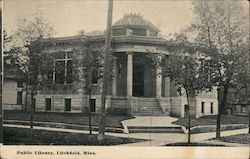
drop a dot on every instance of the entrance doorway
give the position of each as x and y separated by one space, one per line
138 79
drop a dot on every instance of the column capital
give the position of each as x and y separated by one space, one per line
129 52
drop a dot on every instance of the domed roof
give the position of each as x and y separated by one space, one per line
135 20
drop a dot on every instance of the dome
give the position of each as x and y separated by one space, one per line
135 20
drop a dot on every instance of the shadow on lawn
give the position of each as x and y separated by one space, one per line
69 118
24 136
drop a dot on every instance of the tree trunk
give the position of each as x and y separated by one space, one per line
220 109
248 120
26 98
106 73
90 128
32 109
189 120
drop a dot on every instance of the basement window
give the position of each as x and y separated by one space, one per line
202 107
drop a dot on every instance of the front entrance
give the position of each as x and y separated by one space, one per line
138 79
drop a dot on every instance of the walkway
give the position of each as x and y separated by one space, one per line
149 121
157 139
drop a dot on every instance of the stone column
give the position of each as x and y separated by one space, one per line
158 78
167 87
129 74
114 78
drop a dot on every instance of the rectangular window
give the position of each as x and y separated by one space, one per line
59 72
67 103
186 111
60 55
92 105
117 32
69 55
63 67
202 107
48 104
243 109
94 76
69 71
212 108
139 31
19 98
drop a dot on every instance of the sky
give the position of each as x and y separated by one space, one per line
69 16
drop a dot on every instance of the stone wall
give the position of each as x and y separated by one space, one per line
176 106
78 102
10 92
120 106
165 105
207 106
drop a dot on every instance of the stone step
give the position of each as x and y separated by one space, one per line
148 106
154 129
149 113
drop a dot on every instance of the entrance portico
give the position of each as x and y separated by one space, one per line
141 79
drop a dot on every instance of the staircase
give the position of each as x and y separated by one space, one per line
155 129
148 107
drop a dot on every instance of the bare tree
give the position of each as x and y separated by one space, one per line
106 74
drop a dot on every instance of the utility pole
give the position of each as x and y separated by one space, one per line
106 74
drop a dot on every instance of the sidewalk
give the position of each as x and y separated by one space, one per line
150 122
62 125
157 139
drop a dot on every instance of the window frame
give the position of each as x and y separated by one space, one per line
203 107
211 108
68 56
46 106
19 100
65 104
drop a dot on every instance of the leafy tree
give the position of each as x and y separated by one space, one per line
27 53
221 26
36 70
88 64
242 81
187 72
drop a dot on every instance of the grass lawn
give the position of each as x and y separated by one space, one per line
23 136
212 128
241 139
211 120
70 118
